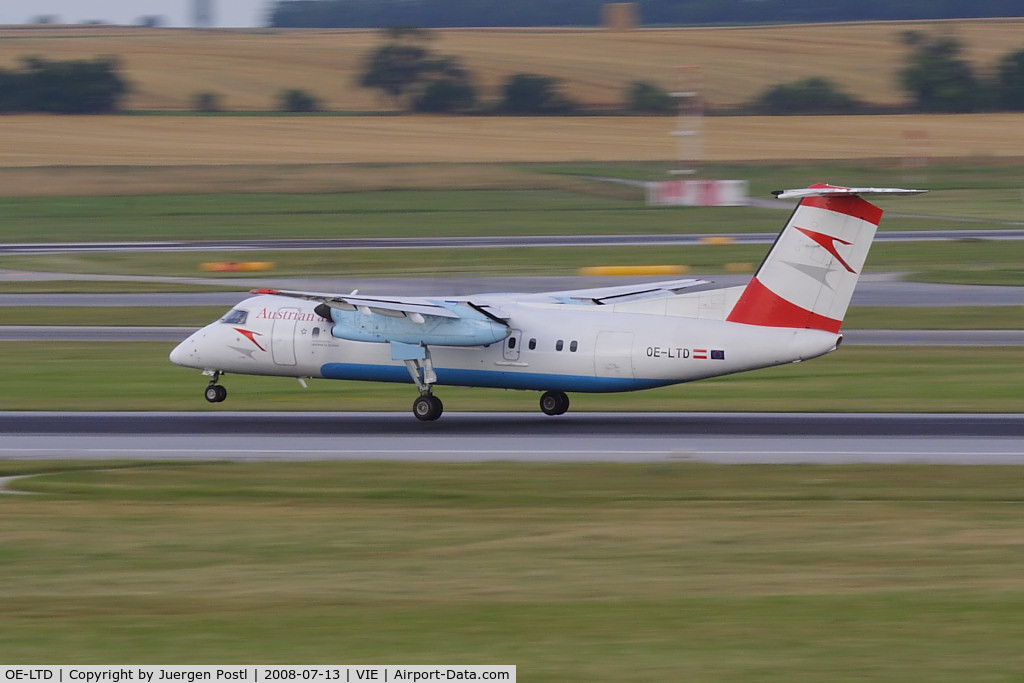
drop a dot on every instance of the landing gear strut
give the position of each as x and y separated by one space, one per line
554 402
427 407
215 393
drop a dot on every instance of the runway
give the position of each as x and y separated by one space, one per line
724 438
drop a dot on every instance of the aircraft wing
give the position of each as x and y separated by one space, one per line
351 302
616 294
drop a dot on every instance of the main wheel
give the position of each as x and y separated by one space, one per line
427 408
215 393
554 402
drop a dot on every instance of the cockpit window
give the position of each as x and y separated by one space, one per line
235 316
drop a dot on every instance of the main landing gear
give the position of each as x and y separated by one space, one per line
427 408
215 393
554 402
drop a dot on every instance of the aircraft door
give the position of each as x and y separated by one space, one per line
512 343
613 355
282 337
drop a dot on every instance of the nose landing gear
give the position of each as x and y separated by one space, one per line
215 393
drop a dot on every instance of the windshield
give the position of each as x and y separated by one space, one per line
235 316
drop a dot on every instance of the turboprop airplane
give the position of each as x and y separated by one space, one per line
607 339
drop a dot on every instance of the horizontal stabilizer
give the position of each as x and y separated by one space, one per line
823 190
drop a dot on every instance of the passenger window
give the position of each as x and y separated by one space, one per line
532 344
235 317
558 345
511 342
572 346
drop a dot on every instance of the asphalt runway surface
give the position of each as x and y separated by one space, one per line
724 438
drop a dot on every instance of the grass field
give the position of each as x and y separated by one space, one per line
582 572
248 68
520 200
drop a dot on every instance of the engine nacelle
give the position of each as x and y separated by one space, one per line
470 328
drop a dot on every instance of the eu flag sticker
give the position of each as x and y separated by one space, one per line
717 354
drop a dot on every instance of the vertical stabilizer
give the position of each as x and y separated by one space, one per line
808 277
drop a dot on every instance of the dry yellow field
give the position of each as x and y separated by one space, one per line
61 141
248 68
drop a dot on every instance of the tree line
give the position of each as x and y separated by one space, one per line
458 13
935 76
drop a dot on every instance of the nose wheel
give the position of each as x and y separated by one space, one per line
215 393
554 402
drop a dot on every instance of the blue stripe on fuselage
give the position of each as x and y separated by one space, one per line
492 378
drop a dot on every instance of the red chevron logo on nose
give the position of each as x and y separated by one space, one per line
251 336
828 242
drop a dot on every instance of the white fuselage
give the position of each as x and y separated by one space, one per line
550 347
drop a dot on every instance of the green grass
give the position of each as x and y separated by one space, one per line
127 286
185 316
571 572
399 213
978 275
138 376
555 205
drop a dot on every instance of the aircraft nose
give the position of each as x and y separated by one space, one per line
185 352
178 354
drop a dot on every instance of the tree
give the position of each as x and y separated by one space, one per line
69 87
446 95
1010 81
936 77
647 97
534 94
395 68
295 100
414 77
808 96
206 102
